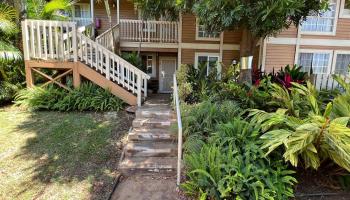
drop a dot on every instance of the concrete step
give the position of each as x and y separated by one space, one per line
130 166
153 123
150 149
155 112
155 135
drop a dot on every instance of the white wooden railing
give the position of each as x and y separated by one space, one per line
109 38
57 40
327 82
149 31
53 40
179 125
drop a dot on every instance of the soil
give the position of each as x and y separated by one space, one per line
316 185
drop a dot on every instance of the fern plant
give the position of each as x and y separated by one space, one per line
232 166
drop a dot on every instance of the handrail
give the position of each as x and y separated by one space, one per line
179 124
107 38
57 40
112 66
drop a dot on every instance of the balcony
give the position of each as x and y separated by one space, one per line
148 31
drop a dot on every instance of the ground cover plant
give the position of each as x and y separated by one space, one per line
58 155
87 97
289 126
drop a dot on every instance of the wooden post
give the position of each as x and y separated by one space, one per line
29 76
139 85
76 76
92 17
179 51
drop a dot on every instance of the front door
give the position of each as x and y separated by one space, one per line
167 67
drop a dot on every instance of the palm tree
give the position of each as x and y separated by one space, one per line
8 30
54 9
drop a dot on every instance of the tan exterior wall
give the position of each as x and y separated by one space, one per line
100 13
278 56
127 10
228 56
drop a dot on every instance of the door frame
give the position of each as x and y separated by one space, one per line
160 74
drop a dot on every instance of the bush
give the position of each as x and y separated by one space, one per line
232 166
88 97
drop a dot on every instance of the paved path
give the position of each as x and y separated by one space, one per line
146 187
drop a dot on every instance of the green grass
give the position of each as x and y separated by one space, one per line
52 155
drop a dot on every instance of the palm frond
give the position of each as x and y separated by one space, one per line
8 15
9 52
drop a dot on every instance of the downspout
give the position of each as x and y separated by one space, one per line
297 46
179 54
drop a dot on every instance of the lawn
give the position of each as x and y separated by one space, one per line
53 155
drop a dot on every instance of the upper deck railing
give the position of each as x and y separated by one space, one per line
148 31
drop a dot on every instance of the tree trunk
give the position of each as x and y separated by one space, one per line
248 43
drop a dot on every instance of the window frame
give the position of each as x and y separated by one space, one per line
330 60
335 56
198 54
154 64
205 38
81 5
335 23
342 8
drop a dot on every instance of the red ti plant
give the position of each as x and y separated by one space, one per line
287 75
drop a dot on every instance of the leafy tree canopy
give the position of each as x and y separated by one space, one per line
259 18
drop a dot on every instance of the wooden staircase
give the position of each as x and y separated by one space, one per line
152 146
62 43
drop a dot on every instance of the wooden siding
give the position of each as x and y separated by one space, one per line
188 55
127 10
232 37
278 56
228 56
292 32
100 13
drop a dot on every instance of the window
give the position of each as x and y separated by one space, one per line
149 62
208 60
345 9
82 14
321 23
202 34
342 64
319 61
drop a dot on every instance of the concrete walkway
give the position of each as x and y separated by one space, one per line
147 187
149 165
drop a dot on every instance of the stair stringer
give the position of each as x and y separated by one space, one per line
101 81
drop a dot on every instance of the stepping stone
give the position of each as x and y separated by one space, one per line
153 123
156 135
150 149
148 164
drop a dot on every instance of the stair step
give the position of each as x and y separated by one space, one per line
152 123
148 164
154 112
151 135
150 149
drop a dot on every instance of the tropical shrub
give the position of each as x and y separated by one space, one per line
88 97
54 9
232 166
134 59
310 140
285 76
